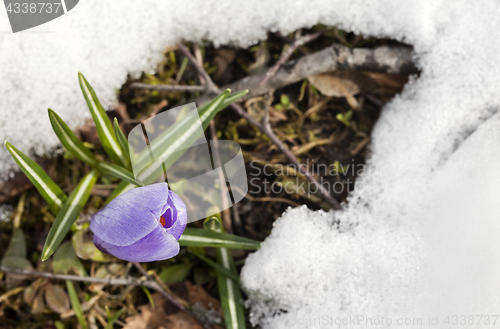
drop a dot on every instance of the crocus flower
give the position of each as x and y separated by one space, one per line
141 225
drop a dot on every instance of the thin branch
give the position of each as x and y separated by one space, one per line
226 215
110 281
209 83
191 89
286 55
266 130
387 59
149 283
165 292
283 148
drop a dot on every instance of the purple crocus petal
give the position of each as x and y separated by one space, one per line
157 245
180 213
132 215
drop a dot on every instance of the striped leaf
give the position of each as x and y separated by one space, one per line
70 141
69 213
233 97
102 123
195 237
47 188
118 172
229 291
165 146
122 140
206 113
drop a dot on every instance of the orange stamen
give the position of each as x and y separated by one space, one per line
162 221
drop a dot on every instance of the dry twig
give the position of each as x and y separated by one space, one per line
149 283
212 88
286 55
191 89
386 59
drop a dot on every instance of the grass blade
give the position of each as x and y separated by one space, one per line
195 237
118 172
47 188
75 303
70 141
112 320
102 122
69 213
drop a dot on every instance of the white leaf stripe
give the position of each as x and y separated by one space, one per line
72 147
214 241
29 171
70 207
118 172
100 120
185 135
230 288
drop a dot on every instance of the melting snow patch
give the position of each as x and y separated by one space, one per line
418 239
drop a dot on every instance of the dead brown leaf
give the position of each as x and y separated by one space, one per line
396 81
166 316
334 84
56 298
337 84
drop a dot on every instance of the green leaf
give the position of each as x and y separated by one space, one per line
165 146
70 141
118 172
112 320
75 303
17 245
102 122
220 269
69 213
195 237
229 291
59 325
206 113
65 260
47 188
175 273
233 98
148 295
76 147
15 257
122 140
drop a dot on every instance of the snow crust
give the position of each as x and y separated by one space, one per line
419 236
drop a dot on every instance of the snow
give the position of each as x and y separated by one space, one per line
418 236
